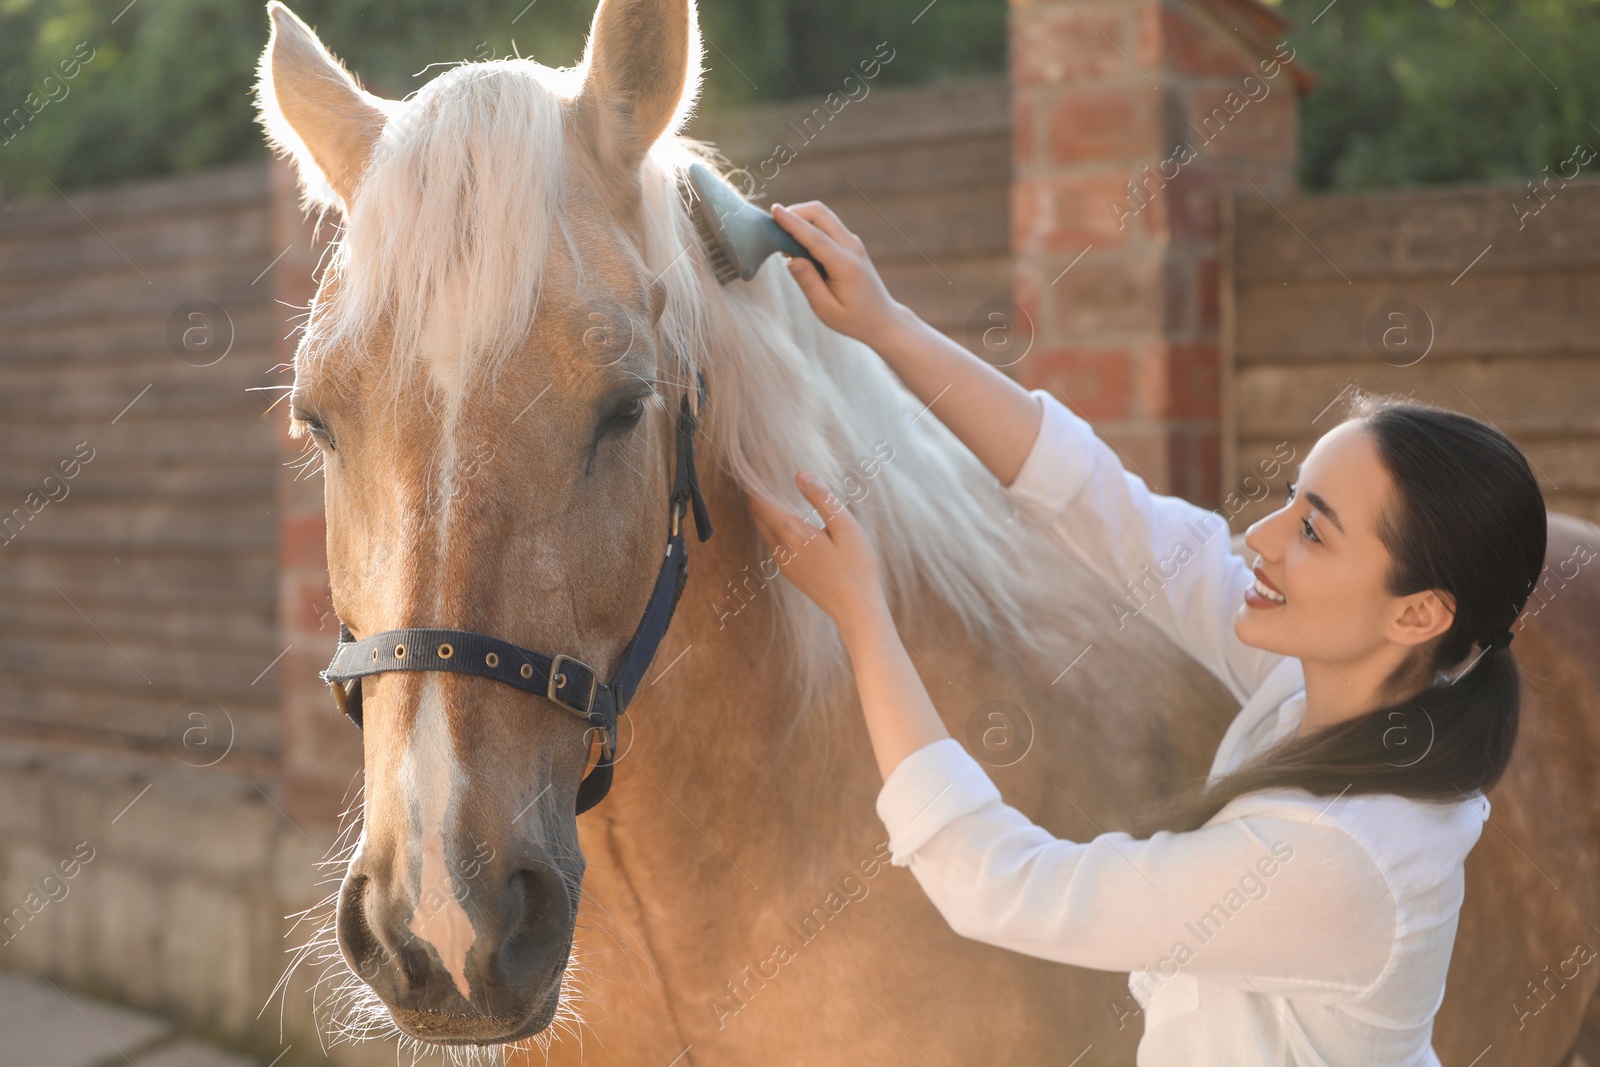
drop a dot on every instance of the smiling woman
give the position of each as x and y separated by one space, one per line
1366 644
1410 542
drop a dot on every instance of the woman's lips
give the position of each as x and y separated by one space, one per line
1262 593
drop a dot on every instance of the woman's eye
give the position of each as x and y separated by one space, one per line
1308 530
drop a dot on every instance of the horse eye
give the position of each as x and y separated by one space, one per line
317 428
624 416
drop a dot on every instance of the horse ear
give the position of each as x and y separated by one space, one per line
641 76
314 111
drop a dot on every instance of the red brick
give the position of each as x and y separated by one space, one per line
1194 389
316 799
1208 295
1024 131
1188 208
1098 298
1058 45
1025 293
1175 381
1194 458
1180 306
1068 213
303 541
1105 125
1167 39
309 611
1092 381
1223 123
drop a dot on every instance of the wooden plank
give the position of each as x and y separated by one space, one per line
885 116
139 714
929 226
86 345
125 527
125 293
148 242
237 624
160 581
1553 396
1487 315
177 670
220 435
124 478
902 170
952 292
1428 233
34 393
245 184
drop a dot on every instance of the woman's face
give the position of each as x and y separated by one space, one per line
1322 553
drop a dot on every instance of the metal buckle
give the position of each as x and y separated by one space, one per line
555 672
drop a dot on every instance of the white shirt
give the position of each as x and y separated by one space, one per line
1290 928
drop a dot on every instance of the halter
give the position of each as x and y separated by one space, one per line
569 683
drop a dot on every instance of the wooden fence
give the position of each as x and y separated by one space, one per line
1482 299
922 174
138 522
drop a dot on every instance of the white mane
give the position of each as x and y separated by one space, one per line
785 391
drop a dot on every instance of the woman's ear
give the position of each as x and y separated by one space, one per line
1422 617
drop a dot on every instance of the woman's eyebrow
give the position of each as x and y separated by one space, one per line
1319 503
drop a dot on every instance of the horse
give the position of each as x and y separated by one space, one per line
493 373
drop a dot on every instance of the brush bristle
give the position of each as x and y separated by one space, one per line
721 263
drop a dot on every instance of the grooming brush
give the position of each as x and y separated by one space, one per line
737 236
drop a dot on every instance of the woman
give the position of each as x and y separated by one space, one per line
1300 906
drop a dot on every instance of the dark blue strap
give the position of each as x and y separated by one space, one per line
575 685
464 652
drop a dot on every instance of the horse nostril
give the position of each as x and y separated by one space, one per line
538 912
394 962
361 947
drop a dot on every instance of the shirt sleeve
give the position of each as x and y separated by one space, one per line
1295 904
1166 558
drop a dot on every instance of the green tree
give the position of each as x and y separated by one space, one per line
168 86
1418 92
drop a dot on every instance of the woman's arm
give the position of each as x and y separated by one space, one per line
991 414
1161 555
837 569
1291 903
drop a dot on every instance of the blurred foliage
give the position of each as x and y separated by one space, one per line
1411 91
168 87
1417 92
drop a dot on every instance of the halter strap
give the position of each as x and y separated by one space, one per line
570 683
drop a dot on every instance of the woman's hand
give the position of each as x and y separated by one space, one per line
853 300
835 566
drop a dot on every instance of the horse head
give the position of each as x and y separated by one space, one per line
488 368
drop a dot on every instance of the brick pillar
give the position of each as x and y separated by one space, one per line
1133 120
321 749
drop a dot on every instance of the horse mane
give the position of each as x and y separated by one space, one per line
461 277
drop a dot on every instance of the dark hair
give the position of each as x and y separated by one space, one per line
1466 518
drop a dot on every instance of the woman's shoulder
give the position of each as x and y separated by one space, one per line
1418 844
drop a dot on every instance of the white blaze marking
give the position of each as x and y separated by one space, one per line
431 774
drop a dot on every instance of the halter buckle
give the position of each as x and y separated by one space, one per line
552 685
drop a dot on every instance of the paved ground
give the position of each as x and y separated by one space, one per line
42 1025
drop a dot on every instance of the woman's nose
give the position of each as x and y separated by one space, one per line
1255 539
